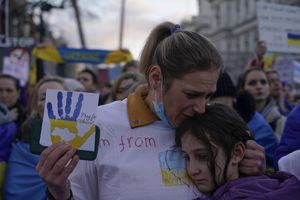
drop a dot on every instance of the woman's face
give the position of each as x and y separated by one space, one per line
197 165
257 84
187 96
9 94
42 94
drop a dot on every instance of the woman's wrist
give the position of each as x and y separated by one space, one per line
66 195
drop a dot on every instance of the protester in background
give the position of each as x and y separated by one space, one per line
73 85
131 66
88 79
10 96
182 69
290 140
258 60
214 145
244 104
22 181
288 92
255 81
8 131
123 83
276 92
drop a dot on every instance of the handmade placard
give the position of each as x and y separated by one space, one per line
69 117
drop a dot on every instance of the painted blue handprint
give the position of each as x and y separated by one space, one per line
66 121
67 108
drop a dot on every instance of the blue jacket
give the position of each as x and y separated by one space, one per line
22 181
8 131
264 135
290 140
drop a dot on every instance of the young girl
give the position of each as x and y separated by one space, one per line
214 144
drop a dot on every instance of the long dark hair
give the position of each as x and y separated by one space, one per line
219 125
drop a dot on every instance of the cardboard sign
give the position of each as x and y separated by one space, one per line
70 117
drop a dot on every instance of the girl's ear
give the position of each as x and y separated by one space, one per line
238 153
155 76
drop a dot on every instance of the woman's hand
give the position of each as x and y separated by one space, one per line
254 162
56 164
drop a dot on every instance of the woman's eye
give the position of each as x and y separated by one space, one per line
191 95
252 82
186 157
202 157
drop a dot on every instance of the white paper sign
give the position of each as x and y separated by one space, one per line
70 116
16 68
275 23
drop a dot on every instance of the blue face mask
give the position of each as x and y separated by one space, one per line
160 111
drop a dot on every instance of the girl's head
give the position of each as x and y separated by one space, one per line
9 90
179 64
255 81
214 144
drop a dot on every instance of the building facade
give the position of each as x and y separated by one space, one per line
232 26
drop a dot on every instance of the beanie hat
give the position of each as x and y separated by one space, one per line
225 87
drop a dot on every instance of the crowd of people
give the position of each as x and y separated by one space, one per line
178 128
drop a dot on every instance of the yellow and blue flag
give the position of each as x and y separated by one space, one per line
293 39
72 55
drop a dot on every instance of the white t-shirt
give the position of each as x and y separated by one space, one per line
132 164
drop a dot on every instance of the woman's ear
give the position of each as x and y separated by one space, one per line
155 76
238 153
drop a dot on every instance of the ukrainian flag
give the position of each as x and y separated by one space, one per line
293 39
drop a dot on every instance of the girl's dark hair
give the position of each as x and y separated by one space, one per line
178 53
15 80
219 125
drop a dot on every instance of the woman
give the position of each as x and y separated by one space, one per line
10 91
123 84
22 180
214 145
182 69
244 103
255 81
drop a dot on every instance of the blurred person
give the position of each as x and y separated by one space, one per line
73 85
213 145
22 180
288 92
10 91
276 92
88 79
256 82
131 66
182 68
105 91
290 140
8 131
244 103
258 60
123 83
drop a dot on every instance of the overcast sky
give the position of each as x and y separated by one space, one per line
101 21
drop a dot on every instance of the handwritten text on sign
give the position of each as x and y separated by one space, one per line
275 22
